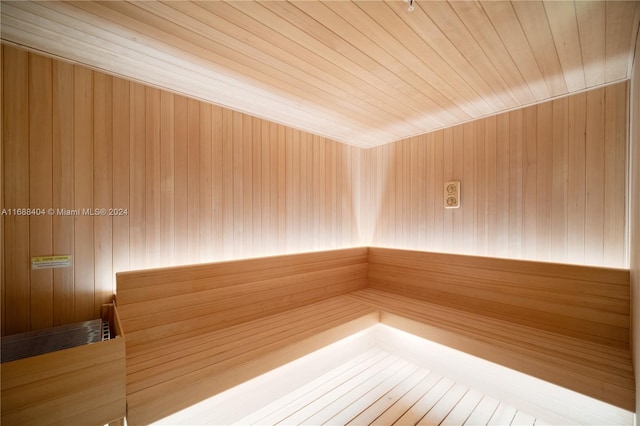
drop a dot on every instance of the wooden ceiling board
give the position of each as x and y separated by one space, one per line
505 21
308 46
533 18
479 24
564 28
405 83
124 10
389 35
437 40
591 27
445 17
363 73
339 49
620 31
263 41
246 58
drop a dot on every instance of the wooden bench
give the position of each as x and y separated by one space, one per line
194 331
565 324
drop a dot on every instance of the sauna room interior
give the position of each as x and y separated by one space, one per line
308 212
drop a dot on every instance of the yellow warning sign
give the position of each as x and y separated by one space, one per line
46 262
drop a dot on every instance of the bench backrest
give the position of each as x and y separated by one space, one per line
185 301
580 301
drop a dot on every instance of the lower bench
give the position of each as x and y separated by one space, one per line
195 331
593 369
185 372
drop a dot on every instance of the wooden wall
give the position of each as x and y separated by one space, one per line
199 182
203 183
547 182
634 215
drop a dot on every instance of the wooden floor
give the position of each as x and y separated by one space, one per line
383 389
384 376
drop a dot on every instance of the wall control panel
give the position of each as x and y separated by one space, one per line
452 194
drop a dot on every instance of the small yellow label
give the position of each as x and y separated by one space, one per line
46 262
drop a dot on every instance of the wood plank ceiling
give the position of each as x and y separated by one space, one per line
363 73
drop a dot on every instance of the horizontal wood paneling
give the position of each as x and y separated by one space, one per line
583 302
543 183
595 369
158 303
212 320
199 183
230 321
251 349
363 73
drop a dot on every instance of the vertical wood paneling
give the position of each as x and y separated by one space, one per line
529 189
282 199
62 182
438 194
515 183
3 316
273 188
479 224
198 183
84 264
544 170
206 189
256 184
137 176
181 179
103 189
167 181
448 175
559 179
247 192
152 201
121 180
468 190
423 188
319 184
502 200
218 211
576 198
543 183
413 177
40 186
594 217
15 129
458 174
227 183
615 151
238 183
201 182
193 180
634 212
490 160
390 152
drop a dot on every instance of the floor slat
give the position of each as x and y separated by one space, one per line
378 386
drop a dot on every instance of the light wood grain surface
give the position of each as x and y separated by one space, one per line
198 182
546 183
363 73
